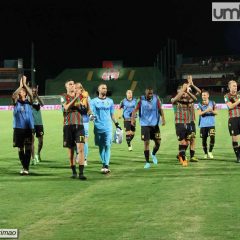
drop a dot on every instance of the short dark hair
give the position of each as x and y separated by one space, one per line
205 91
149 88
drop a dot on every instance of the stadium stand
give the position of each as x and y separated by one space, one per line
129 78
8 83
8 80
210 73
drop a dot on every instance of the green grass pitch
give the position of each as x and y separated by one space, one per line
167 201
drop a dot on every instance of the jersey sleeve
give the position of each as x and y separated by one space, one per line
199 106
226 99
112 109
63 99
121 104
138 105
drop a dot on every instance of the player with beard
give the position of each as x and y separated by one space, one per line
151 115
103 110
181 103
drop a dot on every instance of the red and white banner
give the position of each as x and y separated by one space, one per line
116 106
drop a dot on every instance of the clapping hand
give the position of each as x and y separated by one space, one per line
209 109
189 79
24 80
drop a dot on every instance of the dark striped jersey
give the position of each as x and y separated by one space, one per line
182 111
191 110
235 112
72 115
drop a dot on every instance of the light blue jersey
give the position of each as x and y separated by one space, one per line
207 119
102 109
128 106
149 111
23 115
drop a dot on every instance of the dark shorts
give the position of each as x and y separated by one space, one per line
183 131
150 133
73 134
127 126
234 126
22 137
38 130
192 127
207 131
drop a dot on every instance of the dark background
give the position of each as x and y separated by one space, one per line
80 34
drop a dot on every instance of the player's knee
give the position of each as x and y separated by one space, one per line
193 135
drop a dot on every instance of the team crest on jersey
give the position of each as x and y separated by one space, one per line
106 103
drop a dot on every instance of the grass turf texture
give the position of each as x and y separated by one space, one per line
167 201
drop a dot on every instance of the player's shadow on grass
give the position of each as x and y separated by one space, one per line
219 159
160 161
39 174
46 161
58 167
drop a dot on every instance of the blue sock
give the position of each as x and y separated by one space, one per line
107 154
102 154
85 150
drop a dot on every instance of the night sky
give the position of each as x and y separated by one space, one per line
68 35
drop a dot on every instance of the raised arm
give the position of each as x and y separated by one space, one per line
28 89
15 94
191 95
180 93
191 84
38 98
